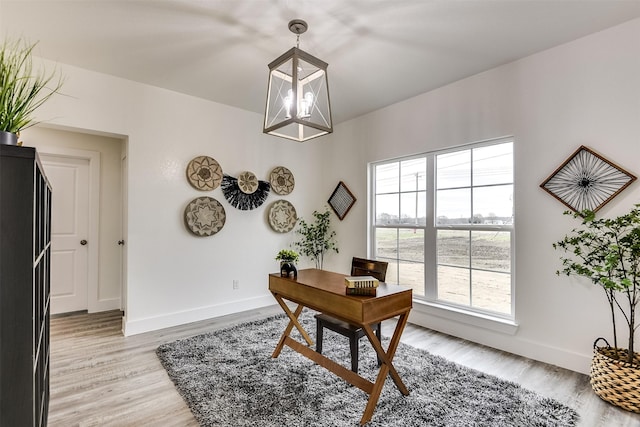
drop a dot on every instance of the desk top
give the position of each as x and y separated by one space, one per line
324 291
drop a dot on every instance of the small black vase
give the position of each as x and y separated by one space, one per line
288 269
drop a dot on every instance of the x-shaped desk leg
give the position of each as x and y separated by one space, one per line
293 321
387 366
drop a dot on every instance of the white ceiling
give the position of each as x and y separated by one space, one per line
379 52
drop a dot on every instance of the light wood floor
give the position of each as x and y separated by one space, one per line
101 378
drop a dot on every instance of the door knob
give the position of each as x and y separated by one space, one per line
121 242
83 242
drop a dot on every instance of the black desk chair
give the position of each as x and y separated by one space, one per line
359 267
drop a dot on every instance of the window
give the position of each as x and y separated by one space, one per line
444 222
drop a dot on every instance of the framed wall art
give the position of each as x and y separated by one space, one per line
341 200
586 180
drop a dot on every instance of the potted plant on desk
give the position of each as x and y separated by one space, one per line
607 251
23 89
288 259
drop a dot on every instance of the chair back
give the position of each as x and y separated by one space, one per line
367 267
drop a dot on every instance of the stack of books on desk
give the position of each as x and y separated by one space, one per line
361 285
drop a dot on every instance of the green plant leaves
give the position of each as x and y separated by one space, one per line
287 255
22 88
607 252
316 238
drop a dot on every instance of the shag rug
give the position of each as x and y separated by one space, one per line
228 378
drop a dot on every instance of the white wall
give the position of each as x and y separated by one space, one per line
586 92
174 277
110 220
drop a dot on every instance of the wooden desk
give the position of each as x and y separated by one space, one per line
324 291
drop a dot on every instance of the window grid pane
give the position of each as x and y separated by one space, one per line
472 230
454 285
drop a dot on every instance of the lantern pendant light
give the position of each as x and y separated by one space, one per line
298 106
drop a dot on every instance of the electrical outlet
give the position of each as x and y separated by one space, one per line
236 284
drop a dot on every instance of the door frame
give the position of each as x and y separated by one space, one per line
93 302
124 194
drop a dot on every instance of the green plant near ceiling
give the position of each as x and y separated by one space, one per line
23 87
317 238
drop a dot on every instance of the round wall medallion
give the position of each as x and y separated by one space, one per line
247 182
204 173
204 216
282 216
241 200
281 180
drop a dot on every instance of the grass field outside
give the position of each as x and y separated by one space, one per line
473 270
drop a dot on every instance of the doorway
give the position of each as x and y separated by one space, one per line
87 264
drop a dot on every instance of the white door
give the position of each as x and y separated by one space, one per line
69 179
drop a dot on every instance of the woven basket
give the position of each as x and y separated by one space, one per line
615 381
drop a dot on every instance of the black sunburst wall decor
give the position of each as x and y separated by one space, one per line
586 180
245 192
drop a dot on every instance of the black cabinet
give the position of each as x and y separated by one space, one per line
25 257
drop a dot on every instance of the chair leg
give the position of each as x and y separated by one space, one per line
319 336
353 343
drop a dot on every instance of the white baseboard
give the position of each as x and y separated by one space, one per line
504 340
138 326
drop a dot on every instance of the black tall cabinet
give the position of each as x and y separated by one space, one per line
25 257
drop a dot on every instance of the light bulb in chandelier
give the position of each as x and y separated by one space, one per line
288 100
305 105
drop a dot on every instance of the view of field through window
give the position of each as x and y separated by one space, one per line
471 201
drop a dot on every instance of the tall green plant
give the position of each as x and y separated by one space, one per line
23 89
607 252
316 238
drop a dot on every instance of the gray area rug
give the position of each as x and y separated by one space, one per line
228 378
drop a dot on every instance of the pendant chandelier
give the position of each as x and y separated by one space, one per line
298 106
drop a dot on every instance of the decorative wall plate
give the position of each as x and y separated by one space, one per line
241 200
204 173
281 180
282 216
204 216
341 200
247 182
586 180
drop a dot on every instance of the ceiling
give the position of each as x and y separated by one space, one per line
379 52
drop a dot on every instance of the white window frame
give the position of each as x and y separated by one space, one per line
431 228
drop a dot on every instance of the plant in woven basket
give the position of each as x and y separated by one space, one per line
607 252
317 238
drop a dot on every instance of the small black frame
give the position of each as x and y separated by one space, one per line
341 200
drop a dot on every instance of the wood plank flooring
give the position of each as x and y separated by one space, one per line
101 378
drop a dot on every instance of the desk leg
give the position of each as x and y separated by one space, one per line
391 351
387 366
293 321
